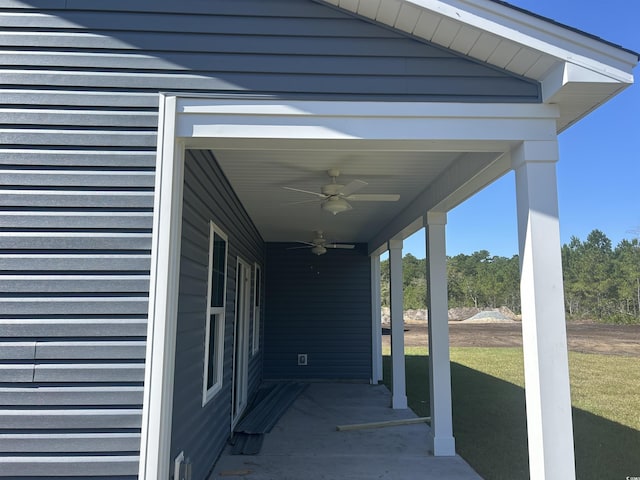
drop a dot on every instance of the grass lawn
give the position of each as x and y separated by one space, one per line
489 410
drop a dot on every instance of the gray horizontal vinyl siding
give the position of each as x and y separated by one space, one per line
201 431
267 46
79 85
321 306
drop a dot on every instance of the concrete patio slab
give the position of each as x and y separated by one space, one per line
306 445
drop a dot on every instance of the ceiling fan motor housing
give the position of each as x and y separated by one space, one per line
319 240
332 189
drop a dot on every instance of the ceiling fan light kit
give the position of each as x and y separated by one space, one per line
335 205
318 250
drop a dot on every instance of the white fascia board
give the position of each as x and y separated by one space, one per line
377 129
383 121
536 33
277 106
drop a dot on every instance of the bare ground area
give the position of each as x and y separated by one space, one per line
582 336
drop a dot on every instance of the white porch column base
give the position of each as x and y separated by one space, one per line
546 368
439 366
399 389
444 446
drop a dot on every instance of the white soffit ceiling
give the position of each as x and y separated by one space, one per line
577 71
258 178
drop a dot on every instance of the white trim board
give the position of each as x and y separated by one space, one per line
241 348
228 123
157 408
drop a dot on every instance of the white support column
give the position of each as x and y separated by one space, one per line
157 409
399 389
546 369
376 321
439 365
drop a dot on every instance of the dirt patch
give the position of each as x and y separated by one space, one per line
582 337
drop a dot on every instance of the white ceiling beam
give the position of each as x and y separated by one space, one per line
371 121
469 174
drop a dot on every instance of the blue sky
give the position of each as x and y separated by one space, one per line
599 167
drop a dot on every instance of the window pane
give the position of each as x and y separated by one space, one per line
217 275
258 286
212 370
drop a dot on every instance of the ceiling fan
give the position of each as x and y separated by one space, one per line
335 198
319 244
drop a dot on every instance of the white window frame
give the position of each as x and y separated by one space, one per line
256 307
214 315
240 376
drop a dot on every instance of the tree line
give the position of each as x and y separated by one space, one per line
600 282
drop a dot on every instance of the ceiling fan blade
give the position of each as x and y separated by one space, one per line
353 187
347 246
321 195
374 197
309 245
301 202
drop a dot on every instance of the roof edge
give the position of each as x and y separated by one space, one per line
499 20
567 27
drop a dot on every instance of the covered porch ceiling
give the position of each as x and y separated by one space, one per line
258 178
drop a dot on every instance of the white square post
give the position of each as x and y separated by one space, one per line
398 381
546 368
439 365
162 323
376 321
